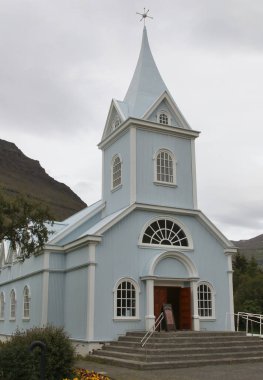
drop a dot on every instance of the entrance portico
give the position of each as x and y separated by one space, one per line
179 290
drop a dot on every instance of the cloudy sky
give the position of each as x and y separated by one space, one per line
63 60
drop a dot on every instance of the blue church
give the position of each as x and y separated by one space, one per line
109 268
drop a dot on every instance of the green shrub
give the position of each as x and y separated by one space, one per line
18 363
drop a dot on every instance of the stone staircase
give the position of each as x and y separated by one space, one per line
180 349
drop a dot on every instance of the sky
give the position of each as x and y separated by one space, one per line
62 61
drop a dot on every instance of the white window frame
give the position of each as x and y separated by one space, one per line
167 247
167 114
136 299
173 160
116 187
12 305
212 301
26 310
2 306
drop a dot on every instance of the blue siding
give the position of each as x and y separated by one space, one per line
148 143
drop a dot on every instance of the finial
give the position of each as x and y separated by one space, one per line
144 15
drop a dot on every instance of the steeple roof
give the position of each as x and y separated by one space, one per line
147 84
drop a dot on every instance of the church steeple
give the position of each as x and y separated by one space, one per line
147 84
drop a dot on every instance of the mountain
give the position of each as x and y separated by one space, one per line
20 174
251 247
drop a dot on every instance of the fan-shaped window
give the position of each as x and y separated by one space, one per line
12 304
116 172
126 295
165 167
2 305
165 232
205 300
26 303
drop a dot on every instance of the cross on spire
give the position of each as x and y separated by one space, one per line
144 15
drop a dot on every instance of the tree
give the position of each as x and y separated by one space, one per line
248 285
24 223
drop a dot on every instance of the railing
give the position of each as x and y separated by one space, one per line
152 330
251 320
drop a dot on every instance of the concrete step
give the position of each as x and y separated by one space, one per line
183 339
188 350
174 364
187 333
143 357
187 343
176 350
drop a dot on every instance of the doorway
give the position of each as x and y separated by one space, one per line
180 299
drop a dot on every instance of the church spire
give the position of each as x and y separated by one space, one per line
147 84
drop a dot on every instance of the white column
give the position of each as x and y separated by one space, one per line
133 186
195 316
230 317
91 291
149 317
45 284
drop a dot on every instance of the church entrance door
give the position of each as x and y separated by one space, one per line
180 299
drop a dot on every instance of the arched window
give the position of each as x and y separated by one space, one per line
116 122
163 118
116 172
165 167
206 302
2 305
126 299
165 232
12 304
26 302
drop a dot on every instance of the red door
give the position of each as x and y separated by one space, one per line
160 297
185 309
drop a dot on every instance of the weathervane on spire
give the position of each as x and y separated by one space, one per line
144 15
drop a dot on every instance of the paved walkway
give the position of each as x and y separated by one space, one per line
220 372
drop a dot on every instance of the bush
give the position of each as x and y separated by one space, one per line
18 363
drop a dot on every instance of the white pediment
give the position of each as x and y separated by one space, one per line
166 105
115 118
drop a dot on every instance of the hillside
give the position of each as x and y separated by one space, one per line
251 247
20 174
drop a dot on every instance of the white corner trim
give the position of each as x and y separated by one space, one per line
91 293
45 286
133 163
194 184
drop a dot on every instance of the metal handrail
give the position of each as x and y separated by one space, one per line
149 333
248 318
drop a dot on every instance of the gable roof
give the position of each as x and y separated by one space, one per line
165 96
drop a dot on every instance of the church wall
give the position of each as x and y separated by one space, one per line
56 298
120 256
117 199
34 282
181 195
75 306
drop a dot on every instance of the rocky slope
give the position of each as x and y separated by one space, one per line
251 247
20 174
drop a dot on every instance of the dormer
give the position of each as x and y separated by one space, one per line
115 118
166 112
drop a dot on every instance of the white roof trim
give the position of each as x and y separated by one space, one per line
114 104
140 123
71 227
